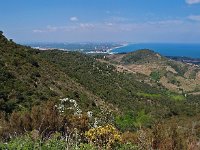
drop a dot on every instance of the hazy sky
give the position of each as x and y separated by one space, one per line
101 20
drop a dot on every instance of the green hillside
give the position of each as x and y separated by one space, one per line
27 80
33 82
29 77
142 56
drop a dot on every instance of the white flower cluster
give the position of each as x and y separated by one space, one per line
95 125
75 107
94 121
61 107
89 114
77 111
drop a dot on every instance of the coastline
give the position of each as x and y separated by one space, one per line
109 51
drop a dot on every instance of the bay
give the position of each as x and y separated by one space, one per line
166 49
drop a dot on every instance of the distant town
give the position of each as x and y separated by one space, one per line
81 47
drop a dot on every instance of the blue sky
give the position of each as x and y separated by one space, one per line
101 20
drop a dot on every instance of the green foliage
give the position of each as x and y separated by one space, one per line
20 143
142 119
127 146
131 121
141 56
151 96
125 122
177 97
55 143
85 146
174 81
155 75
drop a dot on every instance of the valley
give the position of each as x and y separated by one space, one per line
55 93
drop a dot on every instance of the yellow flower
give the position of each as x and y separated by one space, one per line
101 136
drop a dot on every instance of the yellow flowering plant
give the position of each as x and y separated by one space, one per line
103 136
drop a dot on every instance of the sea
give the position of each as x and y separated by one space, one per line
183 50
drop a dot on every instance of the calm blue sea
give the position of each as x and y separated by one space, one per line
188 50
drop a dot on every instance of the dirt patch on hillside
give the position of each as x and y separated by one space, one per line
146 69
165 82
117 57
169 68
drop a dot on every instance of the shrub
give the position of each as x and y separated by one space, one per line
105 136
55 142
127 146
85 146
19 143
155 75
125 122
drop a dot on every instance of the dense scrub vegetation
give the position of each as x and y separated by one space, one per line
28 80
142 56
104 108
